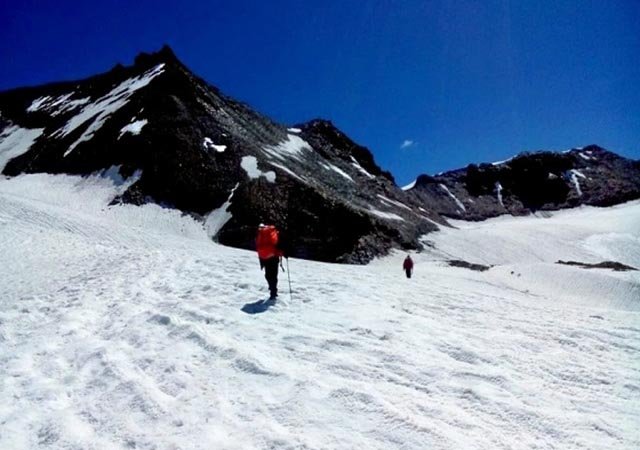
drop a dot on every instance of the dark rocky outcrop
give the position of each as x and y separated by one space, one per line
531 182
613 265
468 265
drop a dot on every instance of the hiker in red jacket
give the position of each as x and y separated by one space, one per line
268 245
407 265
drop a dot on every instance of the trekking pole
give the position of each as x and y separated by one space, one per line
289 278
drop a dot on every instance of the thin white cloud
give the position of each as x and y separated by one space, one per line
407 143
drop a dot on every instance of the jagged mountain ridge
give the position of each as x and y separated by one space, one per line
530 182
173 139
182 143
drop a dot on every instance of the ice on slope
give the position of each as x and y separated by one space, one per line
15 141
98 111
122 327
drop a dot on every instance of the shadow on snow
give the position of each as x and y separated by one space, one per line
258 307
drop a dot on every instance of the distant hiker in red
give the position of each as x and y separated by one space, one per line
268 245
407 265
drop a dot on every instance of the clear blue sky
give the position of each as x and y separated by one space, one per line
455 81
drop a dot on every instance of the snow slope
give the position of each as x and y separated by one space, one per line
524 249
122 327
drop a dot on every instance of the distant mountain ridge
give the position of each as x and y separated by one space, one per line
175 140
530 182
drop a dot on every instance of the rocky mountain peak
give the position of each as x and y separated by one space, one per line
163 56
170 138
177 141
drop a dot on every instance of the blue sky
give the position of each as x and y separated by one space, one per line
426 85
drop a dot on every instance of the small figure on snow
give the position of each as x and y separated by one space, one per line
270 252
407 265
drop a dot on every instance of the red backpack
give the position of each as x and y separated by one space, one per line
267 242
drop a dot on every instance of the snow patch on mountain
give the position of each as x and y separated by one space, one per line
293 147
504 161
410 185
361 169
384 214
134 127
578 173
57 105
250 166
289 171
209 145
217 218
338 170
585 156
99 110
394 202
450 194
15 141
573 175
498 189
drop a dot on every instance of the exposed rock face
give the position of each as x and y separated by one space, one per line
190 147
531 182
181 143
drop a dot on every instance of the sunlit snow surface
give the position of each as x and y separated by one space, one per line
121 327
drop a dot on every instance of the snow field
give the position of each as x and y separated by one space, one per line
122 327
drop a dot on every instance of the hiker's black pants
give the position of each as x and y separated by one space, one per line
408 271
271 273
